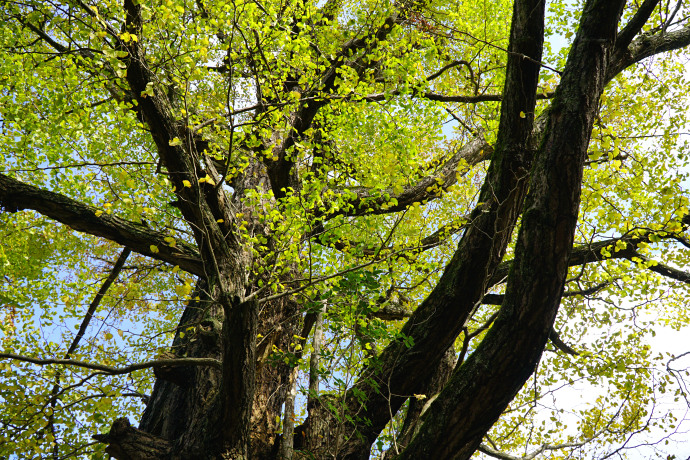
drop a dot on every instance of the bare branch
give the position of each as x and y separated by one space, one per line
483 448
365 201
86 163
119 263
450 66
464 99
109 370
117 267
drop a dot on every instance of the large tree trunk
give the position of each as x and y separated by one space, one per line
184 407
234 410
185 402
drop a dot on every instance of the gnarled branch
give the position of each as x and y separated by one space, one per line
363 200
110 370
16 196
126 442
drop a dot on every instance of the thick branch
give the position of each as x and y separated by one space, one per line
555 339
489 379
497 299
363 200
16 196
664 270
433 327
645 46
127 443
281 170
110 370
391 312
600 250
202 205
635 24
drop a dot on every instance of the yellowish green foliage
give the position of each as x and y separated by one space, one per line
69 125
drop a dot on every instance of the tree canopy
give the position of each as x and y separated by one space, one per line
343 229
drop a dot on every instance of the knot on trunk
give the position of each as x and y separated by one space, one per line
128 443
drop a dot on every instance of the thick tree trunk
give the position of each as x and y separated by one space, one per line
185 404
200 412
434 326
484 385
279 322
419 403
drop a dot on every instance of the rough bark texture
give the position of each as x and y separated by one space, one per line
232 410
280 321
184 405
486 383
434 326
16 196
420 402
127 443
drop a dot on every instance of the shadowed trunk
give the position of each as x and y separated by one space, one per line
237 234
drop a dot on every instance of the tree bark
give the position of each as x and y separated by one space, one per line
485 384
433 327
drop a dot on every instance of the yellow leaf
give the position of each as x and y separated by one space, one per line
208 180
186 183
220 221
522 115
154 249
98 213
175 141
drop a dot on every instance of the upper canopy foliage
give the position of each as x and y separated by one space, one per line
336 155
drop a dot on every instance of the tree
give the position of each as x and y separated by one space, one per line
291 211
